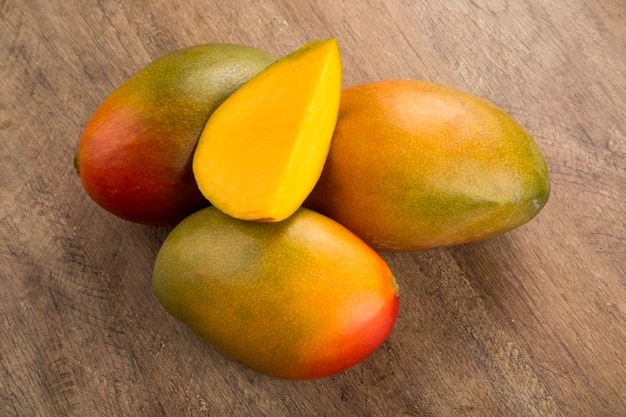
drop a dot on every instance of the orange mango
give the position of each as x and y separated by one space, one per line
262 151
134 155
299 299
416 165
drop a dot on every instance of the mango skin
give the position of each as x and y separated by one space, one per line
299 299
134 155
415 165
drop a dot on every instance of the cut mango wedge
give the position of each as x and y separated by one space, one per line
262 151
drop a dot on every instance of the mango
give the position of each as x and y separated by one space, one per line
416 165
134 155
262 151
299 299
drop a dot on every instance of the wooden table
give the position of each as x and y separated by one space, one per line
531 323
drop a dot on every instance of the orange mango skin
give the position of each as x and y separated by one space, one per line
134 155
415 165
299 299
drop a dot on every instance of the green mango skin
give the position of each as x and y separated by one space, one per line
415 165
134 155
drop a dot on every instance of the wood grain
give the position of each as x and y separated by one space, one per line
531 323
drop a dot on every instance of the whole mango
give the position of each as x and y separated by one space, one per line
415 165
302 298
134 156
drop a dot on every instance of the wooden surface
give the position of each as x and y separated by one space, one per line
531 323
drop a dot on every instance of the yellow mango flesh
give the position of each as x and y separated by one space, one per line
262 151
416 165
299 299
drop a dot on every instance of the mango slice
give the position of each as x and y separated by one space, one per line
262 151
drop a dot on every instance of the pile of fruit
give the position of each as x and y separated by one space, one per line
281 187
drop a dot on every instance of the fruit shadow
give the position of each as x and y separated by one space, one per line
455 314
486 270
